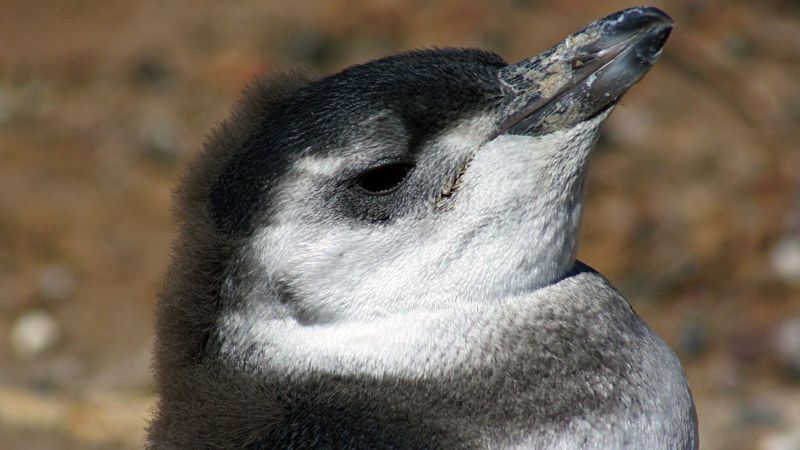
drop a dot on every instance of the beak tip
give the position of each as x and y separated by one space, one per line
642 17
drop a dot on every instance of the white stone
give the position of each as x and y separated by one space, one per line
785 258
789 440
33 333
787 343
56 283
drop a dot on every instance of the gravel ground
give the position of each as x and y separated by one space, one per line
693 207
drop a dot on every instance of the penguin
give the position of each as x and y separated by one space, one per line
386 258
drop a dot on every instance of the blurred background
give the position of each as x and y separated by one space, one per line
693 205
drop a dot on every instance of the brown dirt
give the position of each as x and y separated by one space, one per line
694 196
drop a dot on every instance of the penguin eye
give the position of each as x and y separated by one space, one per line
384 179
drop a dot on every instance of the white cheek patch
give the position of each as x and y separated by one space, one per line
317 166
468 133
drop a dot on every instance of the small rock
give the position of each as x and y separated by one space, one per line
785 258
753 414
159 136
153 72
56 370
33 333
56 283
739 47
787 440
693 339
787 345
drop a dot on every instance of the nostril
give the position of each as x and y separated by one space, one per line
595 53
582 59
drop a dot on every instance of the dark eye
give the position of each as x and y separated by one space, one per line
384 179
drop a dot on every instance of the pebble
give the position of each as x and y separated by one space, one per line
158 135
739 46
759 414
153 72
33 333
787 440
785 259
787 345
56 370
56 283
693 339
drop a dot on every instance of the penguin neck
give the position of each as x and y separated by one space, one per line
554 238
406 345
531 237
403 344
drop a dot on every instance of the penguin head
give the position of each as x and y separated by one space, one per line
423 180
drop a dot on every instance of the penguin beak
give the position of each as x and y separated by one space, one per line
583 75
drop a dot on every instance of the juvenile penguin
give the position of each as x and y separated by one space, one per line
386 258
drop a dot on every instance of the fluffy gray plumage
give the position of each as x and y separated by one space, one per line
385 258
